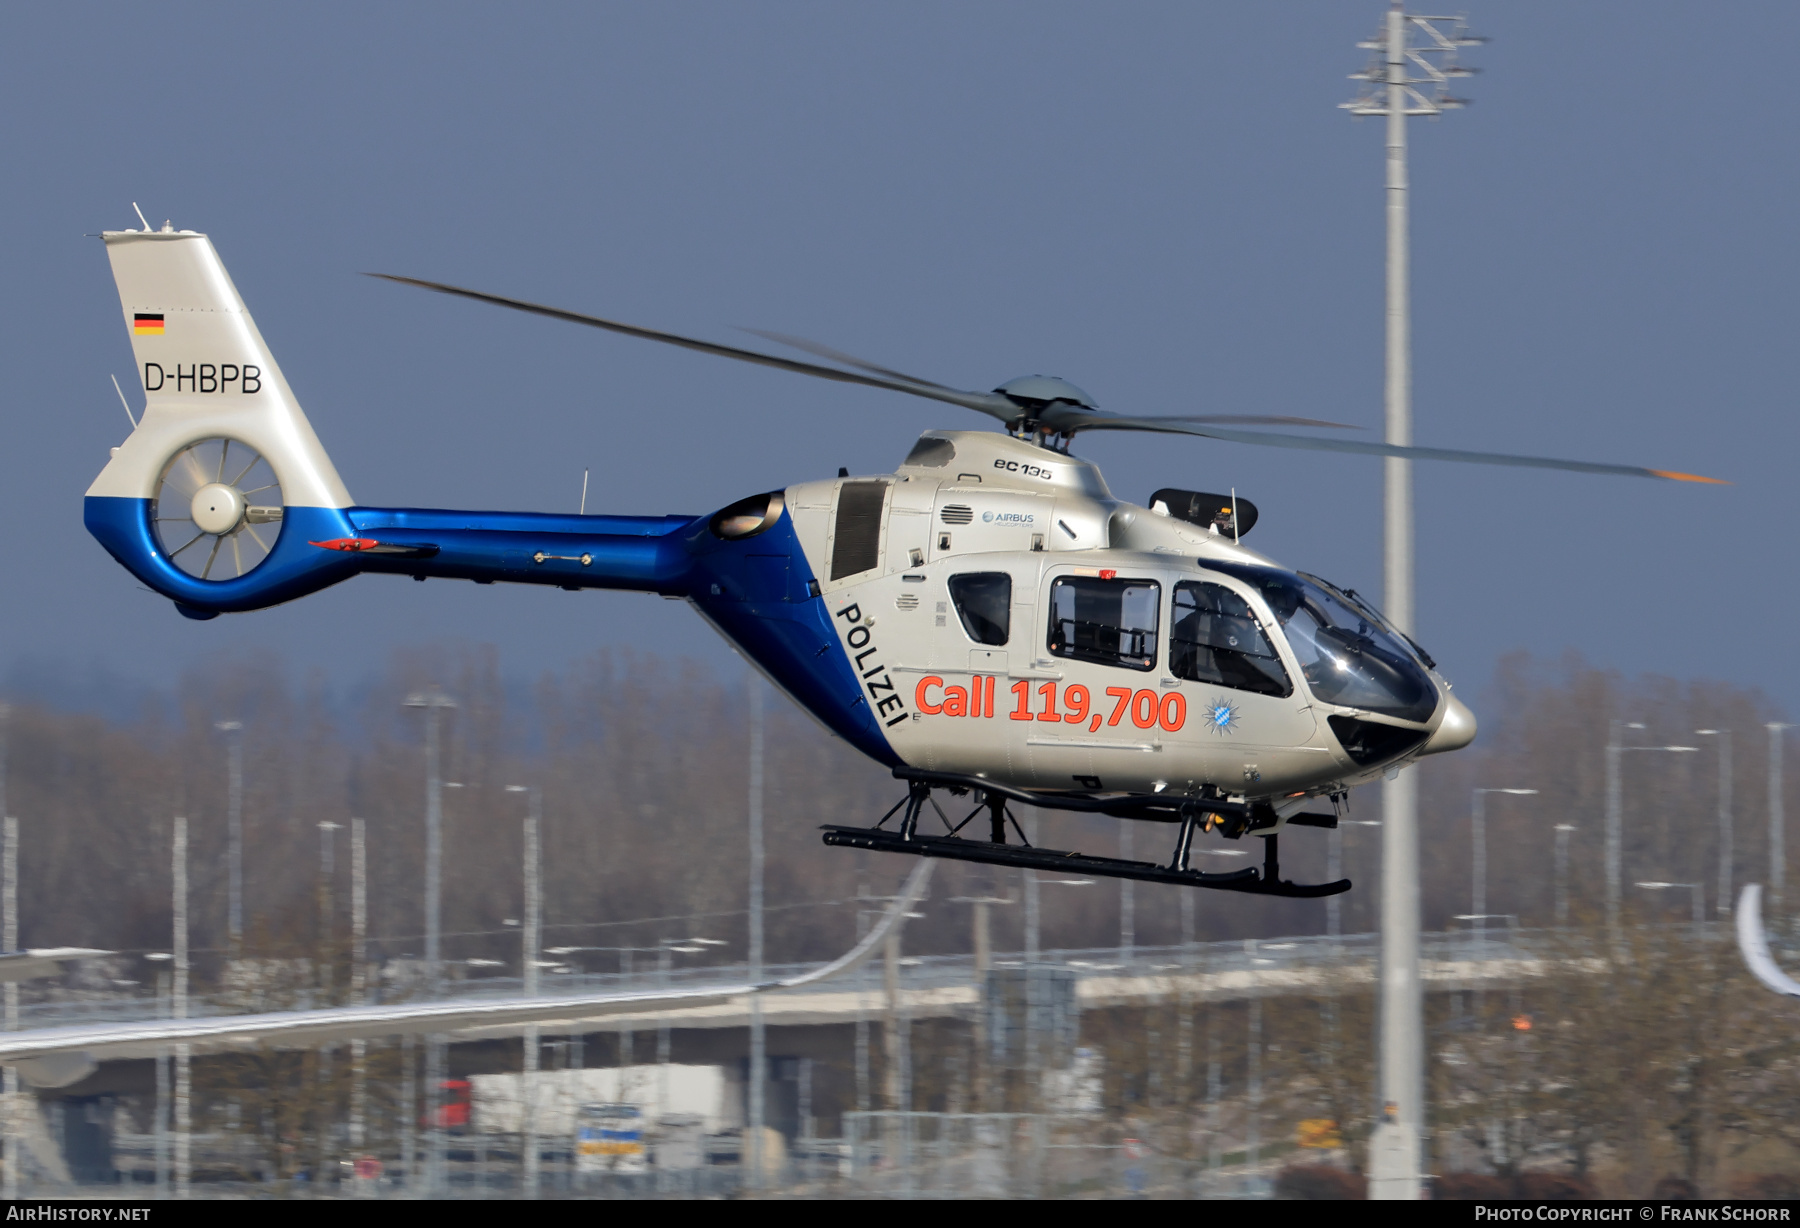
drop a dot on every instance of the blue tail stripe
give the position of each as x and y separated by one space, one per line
757 591
370 520
293 569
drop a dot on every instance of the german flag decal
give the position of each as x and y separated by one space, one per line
147 324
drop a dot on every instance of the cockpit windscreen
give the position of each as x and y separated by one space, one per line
1345 655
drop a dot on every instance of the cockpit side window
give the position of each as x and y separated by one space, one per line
1214 637
984 603
1106 621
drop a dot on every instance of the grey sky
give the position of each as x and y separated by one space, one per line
1160 202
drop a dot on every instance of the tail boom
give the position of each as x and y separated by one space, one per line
634 553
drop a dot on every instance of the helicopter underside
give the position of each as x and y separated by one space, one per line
991 818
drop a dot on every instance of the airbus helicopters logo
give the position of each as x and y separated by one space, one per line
1004 518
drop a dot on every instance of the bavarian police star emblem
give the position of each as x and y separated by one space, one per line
1221 716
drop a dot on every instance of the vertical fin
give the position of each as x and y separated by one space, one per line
205 370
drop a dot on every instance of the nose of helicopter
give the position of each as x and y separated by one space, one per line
1457 731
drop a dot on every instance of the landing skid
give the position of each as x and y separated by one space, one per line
995 851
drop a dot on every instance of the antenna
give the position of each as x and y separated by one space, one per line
140 213
584 474
124 402
1234 523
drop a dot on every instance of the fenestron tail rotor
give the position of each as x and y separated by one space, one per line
218 509
1045 407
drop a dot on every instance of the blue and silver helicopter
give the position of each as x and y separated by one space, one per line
988 621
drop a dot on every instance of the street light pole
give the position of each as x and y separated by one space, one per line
758 1058
434 702
1562 872
1478 834
530 935
1777 820
1615 821
1397 1166
359 984
11 942
183 1069
666 949
327 877
234 832
1127 901
1478 887
327 961
984 958
1033 923
665 1039
1032 920
1184 1023
1405 43
1515 1014
861 1061
1723 903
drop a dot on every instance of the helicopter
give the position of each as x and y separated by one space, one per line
989 621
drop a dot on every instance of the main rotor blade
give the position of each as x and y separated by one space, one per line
982 402
1245 420
1362 448
849 360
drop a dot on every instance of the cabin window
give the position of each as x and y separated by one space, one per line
1214 637
984 603
1105 620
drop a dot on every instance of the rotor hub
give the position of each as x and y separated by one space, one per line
1045 390
217 508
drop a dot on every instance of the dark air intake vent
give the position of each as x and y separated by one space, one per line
1199 507
856 545
1368 743
956 513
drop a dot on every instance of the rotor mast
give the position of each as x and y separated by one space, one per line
1408 75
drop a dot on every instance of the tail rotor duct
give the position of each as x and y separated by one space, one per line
218 509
